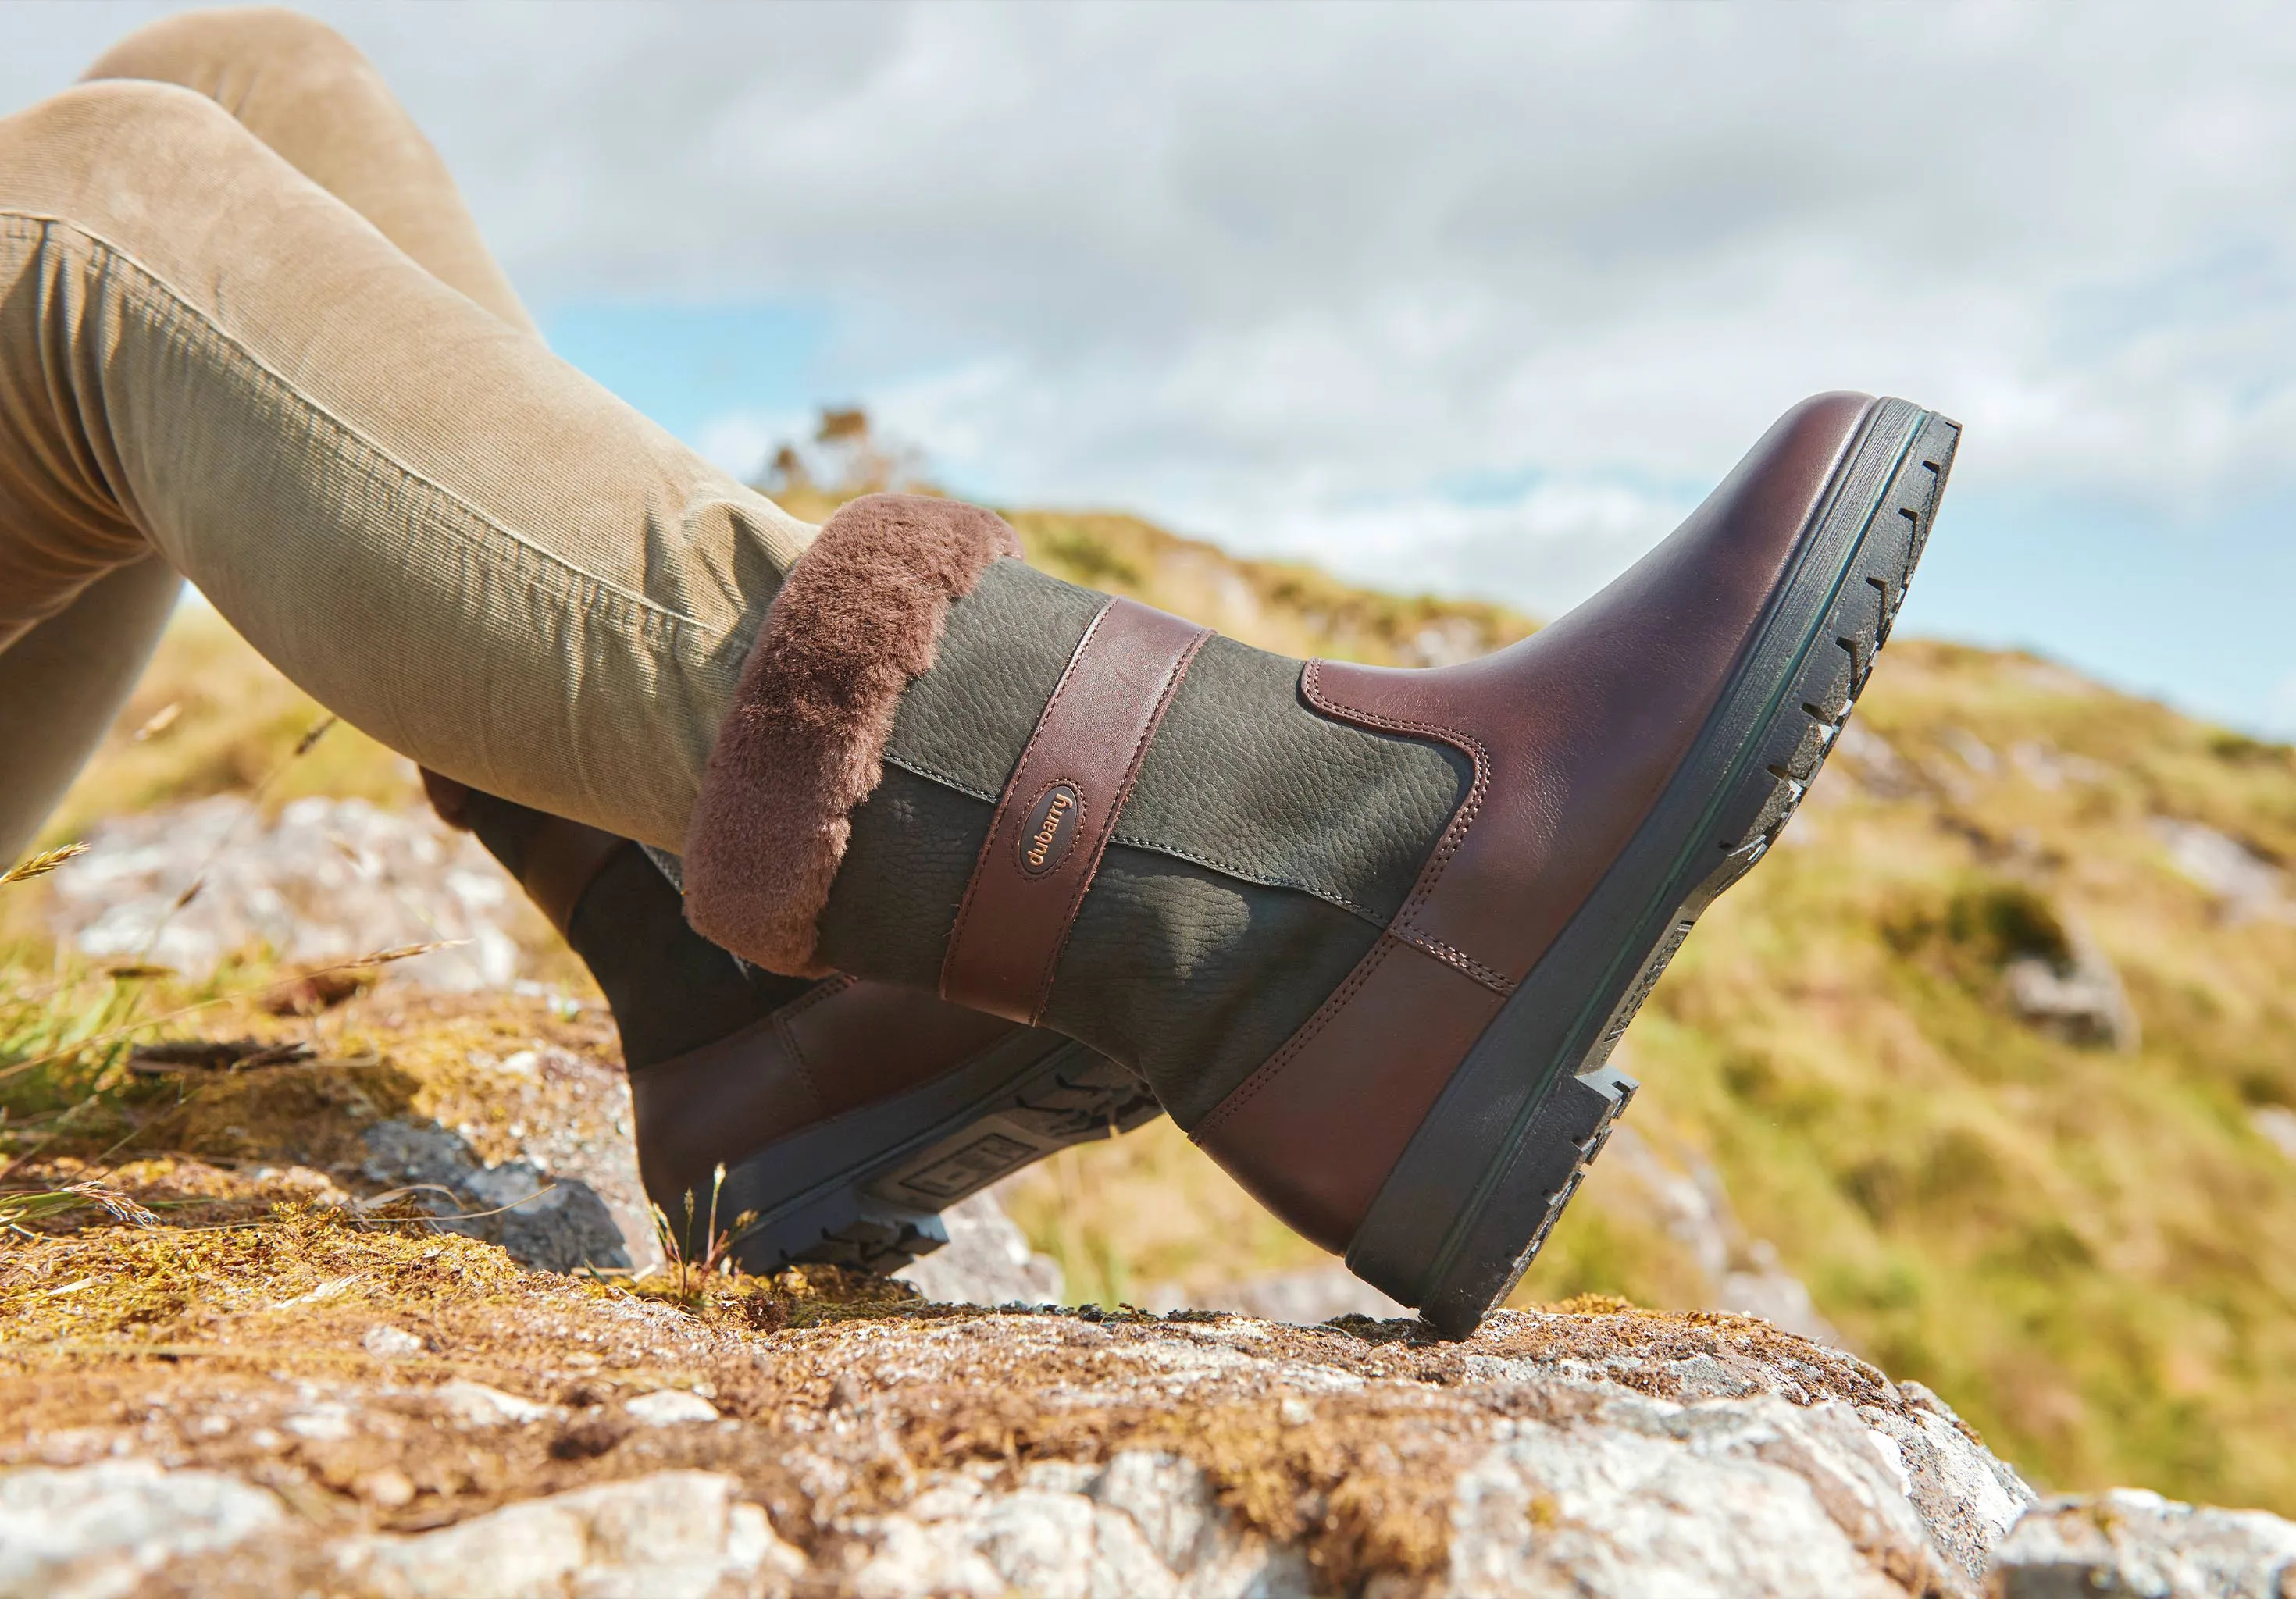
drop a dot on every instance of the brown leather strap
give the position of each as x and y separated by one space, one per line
562 862
1054 822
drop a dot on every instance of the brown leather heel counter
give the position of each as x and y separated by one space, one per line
1314 1132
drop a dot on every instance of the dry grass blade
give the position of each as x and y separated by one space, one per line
370 1209
380 957
214 1054
689 1276
19 1206
40 862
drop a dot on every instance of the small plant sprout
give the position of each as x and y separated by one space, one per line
692 1275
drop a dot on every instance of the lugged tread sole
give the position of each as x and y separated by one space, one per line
1533 1102
912 1157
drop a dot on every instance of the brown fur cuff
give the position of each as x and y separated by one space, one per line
859 618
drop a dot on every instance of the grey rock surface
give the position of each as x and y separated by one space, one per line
986 1261
2080 999
1602 1456
1597 1455
328 880
556 1222
1303 1298
1143 1526
2136 1544
672 1534
96 1531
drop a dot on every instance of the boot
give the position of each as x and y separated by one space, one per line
847 1113
1369 934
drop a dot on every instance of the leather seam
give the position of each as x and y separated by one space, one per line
788 1036
1235 869
1005 802
1174 673
1462 821
819 994
1452 955
1269 1069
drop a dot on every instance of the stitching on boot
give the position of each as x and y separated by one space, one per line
1124 792
1454 836
1272 1067
1068 672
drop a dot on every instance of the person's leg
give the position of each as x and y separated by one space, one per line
440 530
845 1114
304 90
61 684
308 92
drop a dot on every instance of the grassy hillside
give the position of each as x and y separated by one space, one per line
2088 1244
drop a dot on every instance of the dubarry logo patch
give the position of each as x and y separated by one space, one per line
1050 828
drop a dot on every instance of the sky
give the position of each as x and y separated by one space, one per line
1475 298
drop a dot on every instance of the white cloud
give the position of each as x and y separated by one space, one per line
1286 274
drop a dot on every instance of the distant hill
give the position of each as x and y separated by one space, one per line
1997 1055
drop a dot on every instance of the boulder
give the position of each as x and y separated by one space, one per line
1593 1450
2140 1545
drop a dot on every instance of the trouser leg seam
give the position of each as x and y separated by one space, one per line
659 625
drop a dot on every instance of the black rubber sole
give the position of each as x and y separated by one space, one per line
866 1189
1533 1101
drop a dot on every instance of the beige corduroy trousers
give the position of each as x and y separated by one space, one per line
250 336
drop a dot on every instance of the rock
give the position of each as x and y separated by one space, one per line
1599 1455
2080 999
1766 1289
1679 1190
389 1489
2277 1126
387 1342
1724 1497
556 1222
986 1261
329 880
673 1535
2136 1544
95 1531
669 1407
1302 1298
2247 887
470 1405
1144 1526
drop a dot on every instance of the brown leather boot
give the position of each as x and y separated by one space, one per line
1370 934
847 1113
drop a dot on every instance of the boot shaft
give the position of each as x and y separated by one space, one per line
1260 851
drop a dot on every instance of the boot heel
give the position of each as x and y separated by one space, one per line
1568 1133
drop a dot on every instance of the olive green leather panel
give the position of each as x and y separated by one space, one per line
1191 978
1002 650
913 845
1242 776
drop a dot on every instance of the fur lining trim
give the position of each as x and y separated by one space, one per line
860 616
